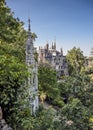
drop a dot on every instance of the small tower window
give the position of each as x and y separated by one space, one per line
34 79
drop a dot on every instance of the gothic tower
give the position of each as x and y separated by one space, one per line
32 81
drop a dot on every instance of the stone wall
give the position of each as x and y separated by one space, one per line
3 124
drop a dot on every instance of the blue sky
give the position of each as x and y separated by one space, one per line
70 22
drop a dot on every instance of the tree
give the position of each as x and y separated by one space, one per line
47 82
12 78
77 94
13 70
77 113
76 60
89 67
44 119
10 27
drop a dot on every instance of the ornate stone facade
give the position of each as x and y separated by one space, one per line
32 81
55 58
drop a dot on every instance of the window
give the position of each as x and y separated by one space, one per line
34 79
62 73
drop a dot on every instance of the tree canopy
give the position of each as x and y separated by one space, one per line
47 81
76 60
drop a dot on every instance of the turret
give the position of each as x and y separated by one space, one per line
32 81
61 51
55 45
47 46
52 45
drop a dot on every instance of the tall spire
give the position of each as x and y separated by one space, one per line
55 43
61 50
32 80
29 29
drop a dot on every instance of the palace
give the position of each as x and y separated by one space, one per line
55 58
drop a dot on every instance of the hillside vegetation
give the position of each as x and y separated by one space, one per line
71 99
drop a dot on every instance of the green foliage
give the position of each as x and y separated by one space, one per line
73 96
89 68
77 94
34 36
47 81
36 56
76 60
13 71
77 113
44 119
10 27
12 78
